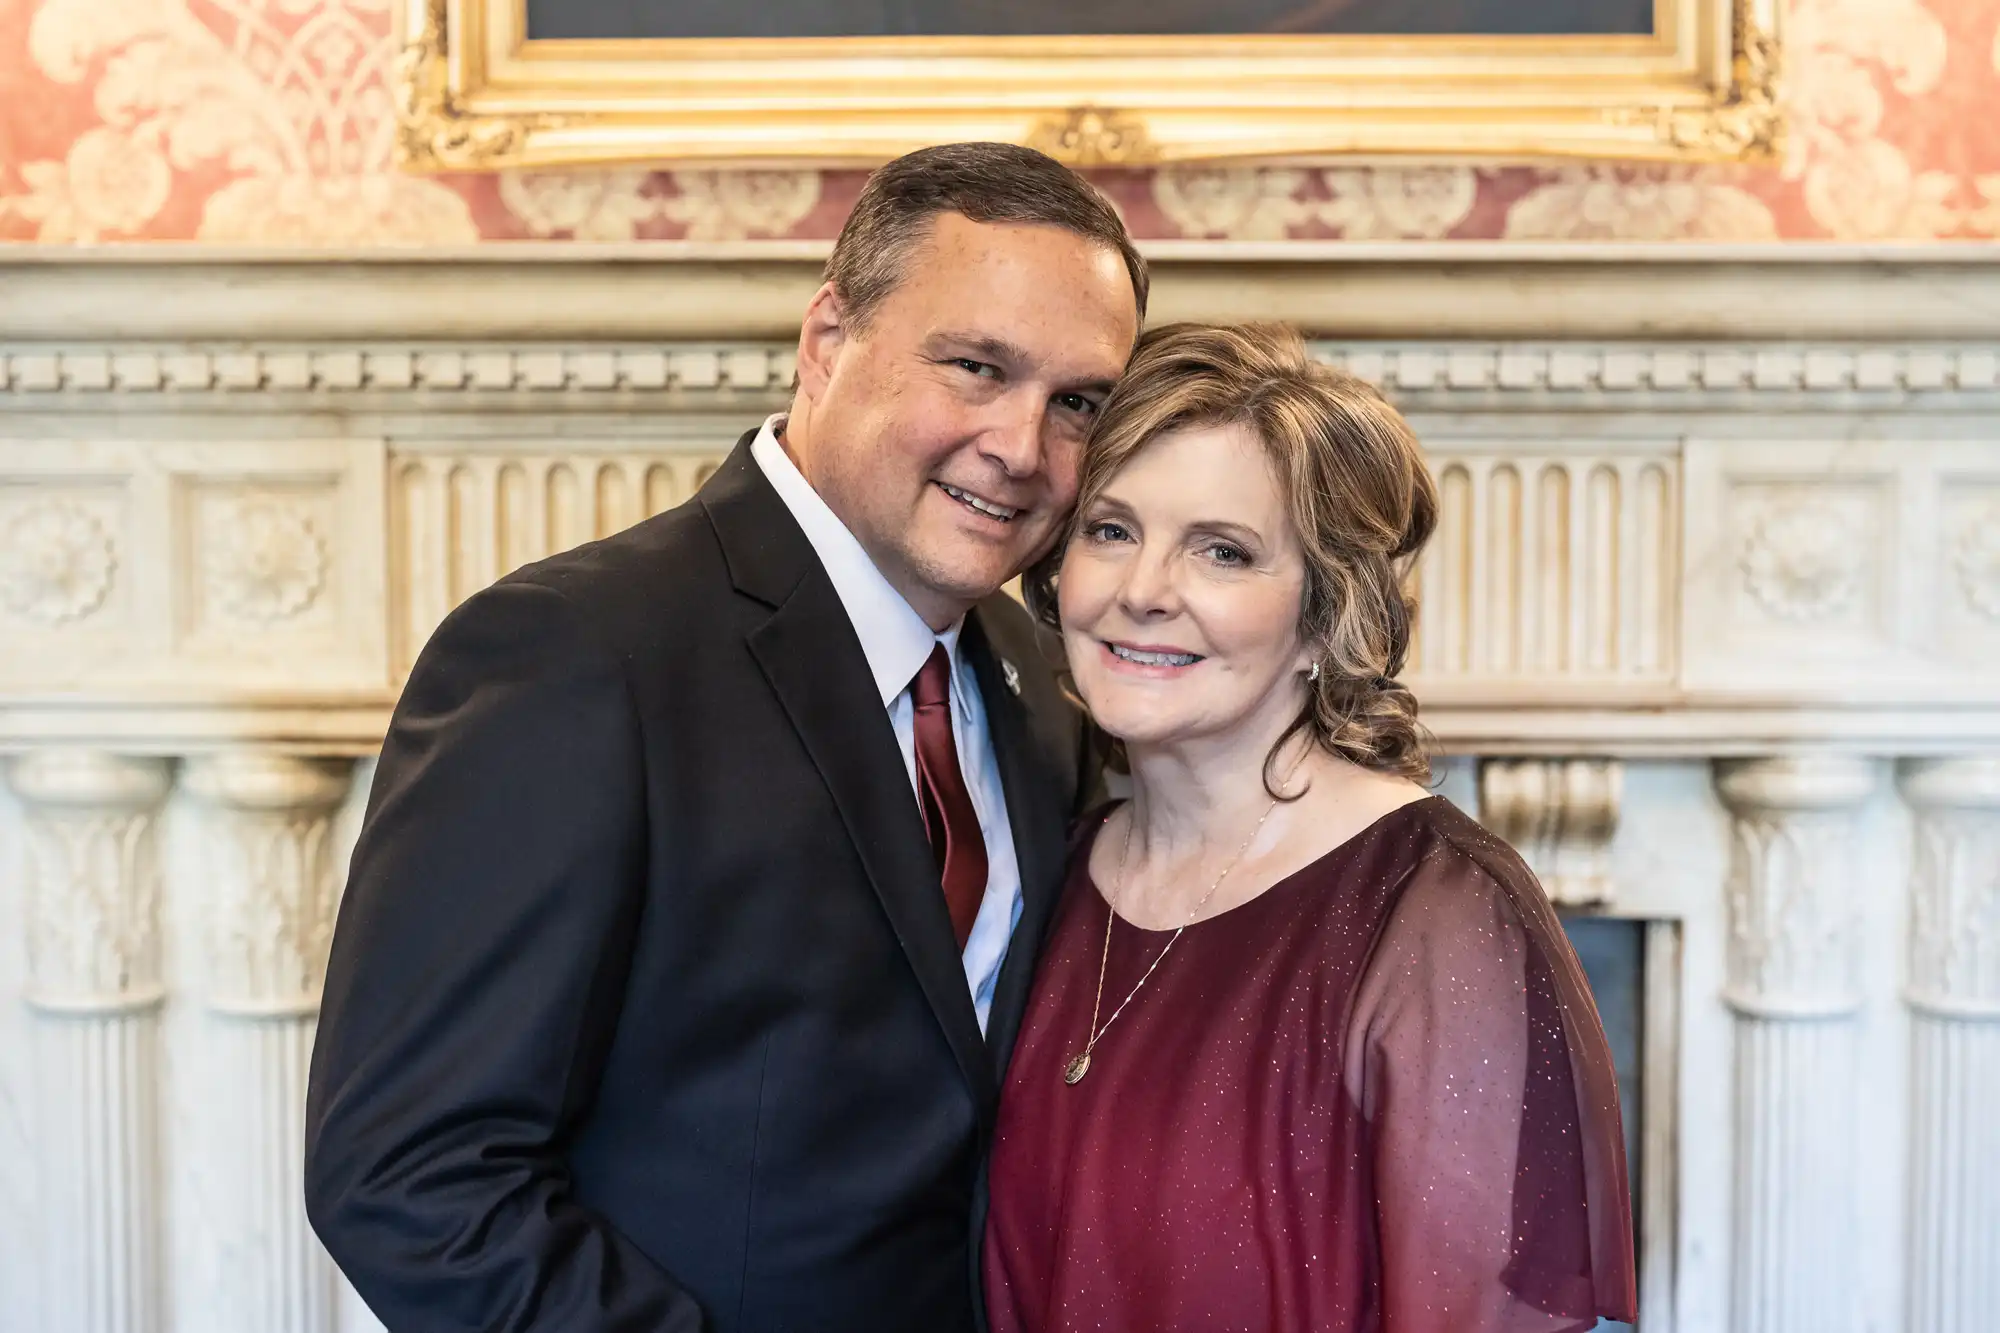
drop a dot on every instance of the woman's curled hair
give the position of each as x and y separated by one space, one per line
1360 497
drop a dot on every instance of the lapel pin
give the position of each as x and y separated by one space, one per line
1013 677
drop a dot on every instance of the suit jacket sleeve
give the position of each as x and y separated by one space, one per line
475 982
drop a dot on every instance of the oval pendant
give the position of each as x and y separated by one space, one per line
1077 1068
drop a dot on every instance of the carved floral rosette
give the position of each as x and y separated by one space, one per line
56 563
265 560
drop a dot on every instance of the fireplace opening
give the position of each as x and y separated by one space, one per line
1615 953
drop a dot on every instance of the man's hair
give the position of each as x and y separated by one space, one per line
984 182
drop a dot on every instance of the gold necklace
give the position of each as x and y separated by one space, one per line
1079 1064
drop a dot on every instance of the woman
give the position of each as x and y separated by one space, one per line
1308 1050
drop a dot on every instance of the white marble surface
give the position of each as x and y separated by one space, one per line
198 1269
18 1243
1669 858
1697 503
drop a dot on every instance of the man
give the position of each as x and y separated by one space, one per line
702 878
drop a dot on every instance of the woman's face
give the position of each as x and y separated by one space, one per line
1181 594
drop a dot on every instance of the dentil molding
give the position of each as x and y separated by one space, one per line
1471 372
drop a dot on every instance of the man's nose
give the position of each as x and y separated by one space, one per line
1014 438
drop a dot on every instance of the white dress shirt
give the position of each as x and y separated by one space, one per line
897 643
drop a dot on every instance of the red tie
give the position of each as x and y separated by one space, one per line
949 818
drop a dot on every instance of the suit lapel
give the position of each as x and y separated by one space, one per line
1036 814
813 660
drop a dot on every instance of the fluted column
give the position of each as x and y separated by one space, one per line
1954 999
1792 983
272 883
93 879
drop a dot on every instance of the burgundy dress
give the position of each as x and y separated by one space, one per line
1375 1099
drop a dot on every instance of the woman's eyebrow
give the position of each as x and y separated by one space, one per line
1223 527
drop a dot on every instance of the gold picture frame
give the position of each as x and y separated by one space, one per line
473 92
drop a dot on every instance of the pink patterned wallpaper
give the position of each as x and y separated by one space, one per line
268 122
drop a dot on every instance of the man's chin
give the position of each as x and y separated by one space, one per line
968 584
960 563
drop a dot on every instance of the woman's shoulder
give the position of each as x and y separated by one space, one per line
1425 845
1466 888
1456 848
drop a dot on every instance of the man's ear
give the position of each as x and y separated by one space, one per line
821 337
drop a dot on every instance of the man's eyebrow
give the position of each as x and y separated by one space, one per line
983 345
1009 356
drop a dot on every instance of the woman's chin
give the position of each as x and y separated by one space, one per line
1139 726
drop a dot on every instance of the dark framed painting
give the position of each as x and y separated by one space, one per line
520 83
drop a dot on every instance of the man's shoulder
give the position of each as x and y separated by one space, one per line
664 563
1032 656
1018 637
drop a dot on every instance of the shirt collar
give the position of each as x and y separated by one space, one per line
894 638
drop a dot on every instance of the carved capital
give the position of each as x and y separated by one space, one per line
93 870
274 879
1561 815
1955 885
1791 888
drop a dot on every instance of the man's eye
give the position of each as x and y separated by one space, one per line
1075 402
971 367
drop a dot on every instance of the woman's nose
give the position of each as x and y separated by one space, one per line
1148 588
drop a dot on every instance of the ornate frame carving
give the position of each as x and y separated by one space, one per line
473 93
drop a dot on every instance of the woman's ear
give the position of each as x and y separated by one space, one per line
1310 655
820 339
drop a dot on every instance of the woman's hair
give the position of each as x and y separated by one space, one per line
1359 495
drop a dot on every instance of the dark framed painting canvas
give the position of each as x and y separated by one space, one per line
516 83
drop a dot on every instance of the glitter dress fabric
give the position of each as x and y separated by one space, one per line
1374 1099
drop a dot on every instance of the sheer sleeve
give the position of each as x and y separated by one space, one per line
1483 1073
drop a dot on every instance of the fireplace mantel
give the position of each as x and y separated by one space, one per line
1699 500
539 292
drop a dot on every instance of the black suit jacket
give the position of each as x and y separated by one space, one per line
644 1010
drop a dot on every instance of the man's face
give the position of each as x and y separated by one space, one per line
945 434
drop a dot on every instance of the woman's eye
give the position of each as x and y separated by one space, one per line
1225 554
1105 531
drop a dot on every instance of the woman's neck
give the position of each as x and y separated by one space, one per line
1187 794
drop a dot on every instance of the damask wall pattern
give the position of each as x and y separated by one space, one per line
268 122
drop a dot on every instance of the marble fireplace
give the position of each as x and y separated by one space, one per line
1711 631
